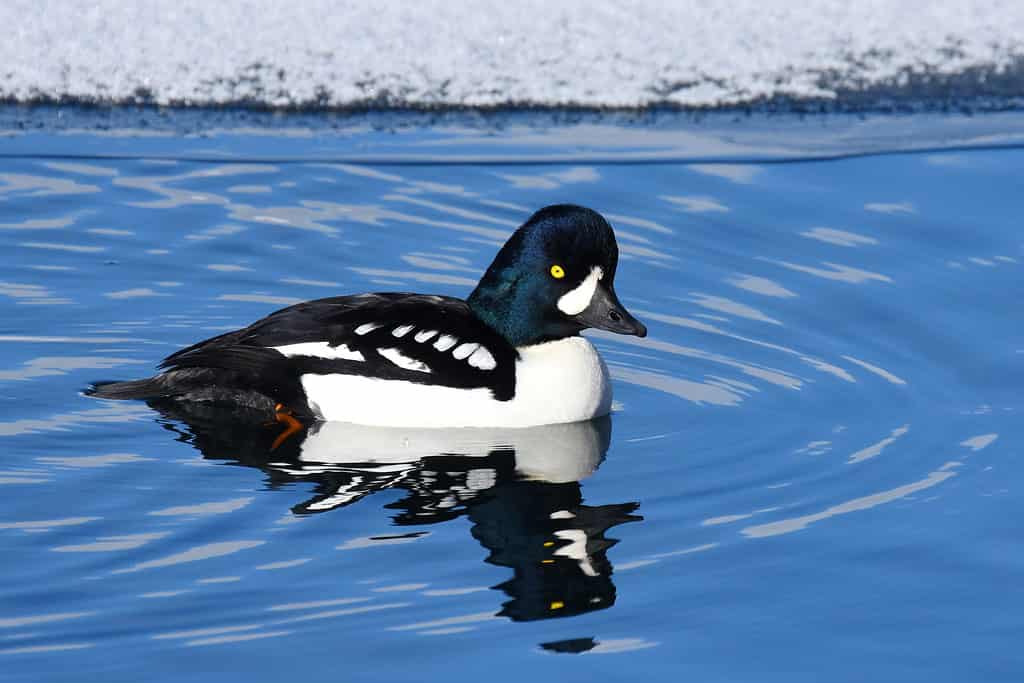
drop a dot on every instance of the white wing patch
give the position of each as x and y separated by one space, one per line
424 335
367 328
319 350
445 342
482 359
463 351
402 330
575 301
403 361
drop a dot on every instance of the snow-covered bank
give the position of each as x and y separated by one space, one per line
459 53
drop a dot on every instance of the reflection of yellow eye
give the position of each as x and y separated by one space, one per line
557 272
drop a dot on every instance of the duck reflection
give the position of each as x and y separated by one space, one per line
519 487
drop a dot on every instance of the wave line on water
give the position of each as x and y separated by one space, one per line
526 160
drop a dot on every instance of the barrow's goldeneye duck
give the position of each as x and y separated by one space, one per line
508 356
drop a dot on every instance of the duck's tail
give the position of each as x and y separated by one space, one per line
204 385
138 389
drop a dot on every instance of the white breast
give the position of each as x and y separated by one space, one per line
556 382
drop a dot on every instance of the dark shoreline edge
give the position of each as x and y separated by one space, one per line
84 113
974 90
523 136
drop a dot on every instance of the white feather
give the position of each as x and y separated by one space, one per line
445 342
462 351
556 382
319 350
424 335
366 328
403 361
401 330
575 301
482 359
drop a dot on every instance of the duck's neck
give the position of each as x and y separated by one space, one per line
512 308
501 307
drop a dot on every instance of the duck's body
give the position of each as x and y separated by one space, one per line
510 355
542 374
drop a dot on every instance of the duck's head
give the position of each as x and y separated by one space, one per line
554 277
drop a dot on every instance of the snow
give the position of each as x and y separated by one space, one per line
457 53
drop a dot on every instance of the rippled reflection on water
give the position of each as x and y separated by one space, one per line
809 469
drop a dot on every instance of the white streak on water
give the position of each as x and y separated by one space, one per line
884 374
737 173
448 621
136 293
760 285
202 552
890 208
840 238
47 524
445 592
110 544
697 204
284 564
639 223
786 526
174 635
977 443
37 649
836 271
89 461
261 299
218 508
311 283
292 606
219 640
55 246
724 305
776 377
433 278
16 622
61 365
161 594
41 224
345 612
401 588
115 413
696 392
876 449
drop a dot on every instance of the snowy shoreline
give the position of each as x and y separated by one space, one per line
443 55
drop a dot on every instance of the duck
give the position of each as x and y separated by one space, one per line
509 355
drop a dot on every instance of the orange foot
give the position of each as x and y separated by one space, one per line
284 416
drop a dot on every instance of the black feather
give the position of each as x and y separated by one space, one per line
243 366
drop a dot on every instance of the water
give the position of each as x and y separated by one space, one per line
808 474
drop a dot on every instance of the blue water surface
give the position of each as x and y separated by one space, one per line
808 474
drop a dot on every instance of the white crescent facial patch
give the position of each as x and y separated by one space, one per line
575 301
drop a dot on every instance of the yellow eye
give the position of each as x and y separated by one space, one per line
557 272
